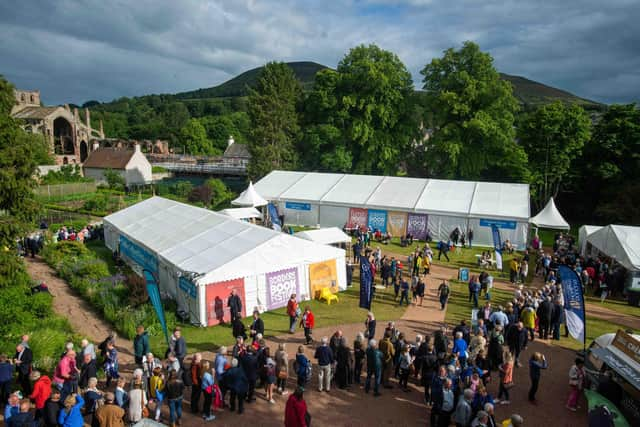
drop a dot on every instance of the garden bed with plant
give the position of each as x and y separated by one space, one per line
120 296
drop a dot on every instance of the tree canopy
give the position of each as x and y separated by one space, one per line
193 136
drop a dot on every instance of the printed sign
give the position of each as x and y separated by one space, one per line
323 275
188 287
397 223
377 220
366 283
507 225
280 285
298 206
217 296
573 302
628 345
417 226
463 274
138 254
357 218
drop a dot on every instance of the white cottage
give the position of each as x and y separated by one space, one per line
131 164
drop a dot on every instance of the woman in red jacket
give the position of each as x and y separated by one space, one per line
295 413
41 392
308 323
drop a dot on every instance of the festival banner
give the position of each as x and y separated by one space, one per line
153 289
417 226
217 297
397 223
573 302
273 215
280 285
323 275
136 253
377 220
366 283
357 218
497 245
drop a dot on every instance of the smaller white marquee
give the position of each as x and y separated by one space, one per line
550 217
326 236
250 198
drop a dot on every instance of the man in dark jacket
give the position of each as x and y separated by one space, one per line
6 378
236 381
52 409
429 367
87 370
235 305
257 326
177 346
23 360
545 310
374 368
517 340
24 418
140 344
249 363
557 317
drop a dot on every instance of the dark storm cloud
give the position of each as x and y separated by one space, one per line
79 50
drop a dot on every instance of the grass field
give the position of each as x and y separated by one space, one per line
620 306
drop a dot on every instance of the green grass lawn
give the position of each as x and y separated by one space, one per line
104 253
617 305
276 322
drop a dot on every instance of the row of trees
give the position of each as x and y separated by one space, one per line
365 117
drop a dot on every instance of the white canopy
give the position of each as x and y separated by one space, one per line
620 242
249 197
242 213
584 232
326 236
550 217
211 245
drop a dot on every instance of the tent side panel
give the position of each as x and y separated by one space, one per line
440 226
333 216
216 298
252 289
482 233
111 237
342 273
303 278
300 215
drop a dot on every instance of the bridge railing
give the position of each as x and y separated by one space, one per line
206 168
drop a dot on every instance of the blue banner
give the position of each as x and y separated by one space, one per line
138 254
377 220
497 245
507 225
154 295
366 283
298 206
573 302
273 215
188 287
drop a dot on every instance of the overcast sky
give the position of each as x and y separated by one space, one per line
78 50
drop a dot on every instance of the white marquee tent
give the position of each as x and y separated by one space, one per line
241 213
398 203
584 232
550 217
199 256
325 236
620 242
250 198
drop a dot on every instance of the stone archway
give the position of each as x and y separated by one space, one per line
62 136
84 151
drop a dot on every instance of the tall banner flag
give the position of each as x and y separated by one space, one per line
275 219
417 226
497 245
573 302
357 217
378 220
397 223
280 285
366 283
154 295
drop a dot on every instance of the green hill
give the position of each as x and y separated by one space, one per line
531 93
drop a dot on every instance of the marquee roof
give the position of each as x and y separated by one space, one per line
621 242
550 217
325 236
432 196
215 246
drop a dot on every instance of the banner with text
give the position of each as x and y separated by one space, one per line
397 223
497 245
153 289
378 220
417 226
573 302
366 283
280 285
138 254
217 297
323 275
357 217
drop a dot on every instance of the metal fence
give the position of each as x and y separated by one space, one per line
61 190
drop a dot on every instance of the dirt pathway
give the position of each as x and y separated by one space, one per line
84 320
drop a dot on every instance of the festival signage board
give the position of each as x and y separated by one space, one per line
297 206
217 297
323 275
357 217
188 287
377 220
507 225
280 285
417 225
397 223
136 253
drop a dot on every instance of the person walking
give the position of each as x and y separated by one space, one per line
235 305
443 402
370 325
576 384
110 414
464 413
506 380
270 375
516 340
443 294
302 367
196 386
52 408
325 358
137 401
359 353
536 364
405 362
111 368
282 369
140 345
344 362
295 411
236 381
249 363
388 352
177 346
404 291
23 360
257 326
71 415
207 383
308 323
374 368
41 392
420 288
293 310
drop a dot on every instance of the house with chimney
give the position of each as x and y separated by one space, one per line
132 165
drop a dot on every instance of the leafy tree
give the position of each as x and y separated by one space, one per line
17 169
193 136
41 153
274 120
221 195
553 137
471 114
114 179
221 127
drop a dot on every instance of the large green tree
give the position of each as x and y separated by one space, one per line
18 155
552 136
272 108
471 131
193 137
